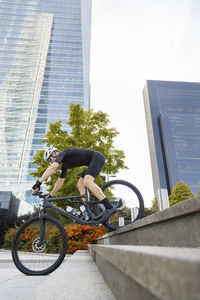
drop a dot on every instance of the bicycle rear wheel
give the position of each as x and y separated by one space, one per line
131 198
34 258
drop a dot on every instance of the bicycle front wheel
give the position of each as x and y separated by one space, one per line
125 193
33 257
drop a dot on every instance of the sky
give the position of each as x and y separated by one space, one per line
133 41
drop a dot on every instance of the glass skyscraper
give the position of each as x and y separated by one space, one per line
172 112
44 66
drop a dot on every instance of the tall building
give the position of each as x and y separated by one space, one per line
173 124
44 67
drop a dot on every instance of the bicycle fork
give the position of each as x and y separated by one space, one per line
42 240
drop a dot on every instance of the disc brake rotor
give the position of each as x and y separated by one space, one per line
37 247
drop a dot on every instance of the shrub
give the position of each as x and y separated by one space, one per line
79 236
8 238
180 192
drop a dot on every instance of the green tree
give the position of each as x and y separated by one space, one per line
88 129
180 192
154 206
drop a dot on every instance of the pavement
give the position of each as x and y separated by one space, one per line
77 278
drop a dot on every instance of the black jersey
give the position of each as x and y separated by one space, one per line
76 157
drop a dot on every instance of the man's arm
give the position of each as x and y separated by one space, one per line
57 186
49 172
46 175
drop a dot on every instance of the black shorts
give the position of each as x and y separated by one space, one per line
95 166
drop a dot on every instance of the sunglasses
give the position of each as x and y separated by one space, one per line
49 159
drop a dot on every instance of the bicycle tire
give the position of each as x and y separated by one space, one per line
136 196
26 259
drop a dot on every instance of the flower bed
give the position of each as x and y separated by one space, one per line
79 236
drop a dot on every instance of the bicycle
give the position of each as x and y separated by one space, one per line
43 255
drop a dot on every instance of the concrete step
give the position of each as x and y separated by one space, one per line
148 272
177 226
77 278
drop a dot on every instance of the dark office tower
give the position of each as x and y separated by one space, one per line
173 123
44 67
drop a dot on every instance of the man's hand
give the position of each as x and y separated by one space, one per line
36 187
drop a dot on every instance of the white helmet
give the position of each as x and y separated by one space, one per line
48 152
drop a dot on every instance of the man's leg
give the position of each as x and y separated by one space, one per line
95 189
81 186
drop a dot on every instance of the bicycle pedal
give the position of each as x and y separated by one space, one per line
120 204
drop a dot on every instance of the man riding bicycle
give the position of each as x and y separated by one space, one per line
71 158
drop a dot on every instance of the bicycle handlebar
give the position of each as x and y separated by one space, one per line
40 194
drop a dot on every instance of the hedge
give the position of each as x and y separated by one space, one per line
79 236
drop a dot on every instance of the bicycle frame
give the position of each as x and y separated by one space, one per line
47 204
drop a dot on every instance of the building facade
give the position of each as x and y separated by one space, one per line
44 67
172 112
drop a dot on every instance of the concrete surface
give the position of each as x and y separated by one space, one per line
77 278
144 272
177 226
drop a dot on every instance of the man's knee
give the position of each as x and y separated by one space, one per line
88 180
80 183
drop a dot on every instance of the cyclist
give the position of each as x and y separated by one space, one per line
76 157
